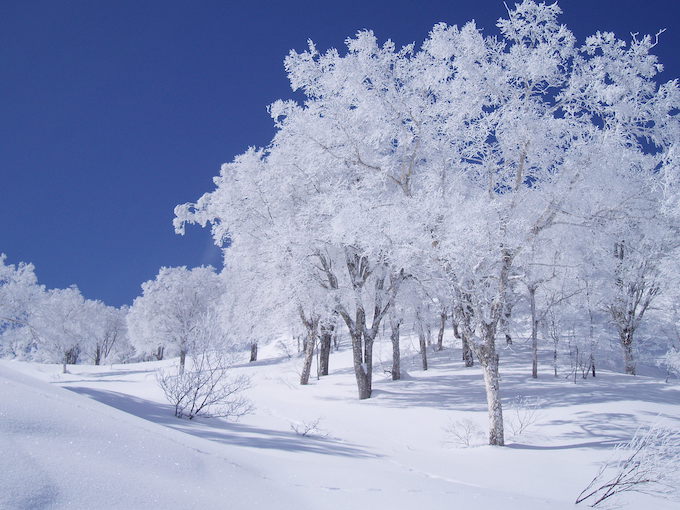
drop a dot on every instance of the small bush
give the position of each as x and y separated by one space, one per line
523 413
463 432
205 388
308 428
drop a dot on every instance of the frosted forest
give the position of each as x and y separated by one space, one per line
451 278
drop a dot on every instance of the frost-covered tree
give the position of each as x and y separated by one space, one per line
59 323
166 315
541 124
19 291
445 164
106 332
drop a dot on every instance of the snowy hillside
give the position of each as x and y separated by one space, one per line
60 450
113 442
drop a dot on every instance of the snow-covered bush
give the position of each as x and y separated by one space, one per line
464 432
205 388
523 413
205 385
648 463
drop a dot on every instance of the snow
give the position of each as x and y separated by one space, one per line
113 442
62 450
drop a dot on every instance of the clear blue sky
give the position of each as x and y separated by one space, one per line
113 112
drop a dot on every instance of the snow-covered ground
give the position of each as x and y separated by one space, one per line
112 440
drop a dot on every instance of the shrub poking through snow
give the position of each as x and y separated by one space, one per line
205 388
648 463
524 411
464 433
308 428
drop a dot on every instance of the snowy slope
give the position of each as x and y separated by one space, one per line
61 450
391 451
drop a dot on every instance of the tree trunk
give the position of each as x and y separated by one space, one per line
467 353
396 354
71 356
97 354
325 349
592 363
311 325
493 400
361 369
422 338
440 336
456 332
626 337
253 352
362 336
534 333
505 322
488 358
423 348
591 330
182 360
308 357
368 362
159 353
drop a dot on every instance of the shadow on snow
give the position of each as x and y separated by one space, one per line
219 430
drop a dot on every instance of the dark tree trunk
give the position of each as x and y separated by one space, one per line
159 353
534 333
456 333
462 328
442 324
253 352
467 353
626 337
308 357
396 354
311 324
325 349
505 319
71 357
362 370
422 337
359 270
182 360
97 354
592 363
423 348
